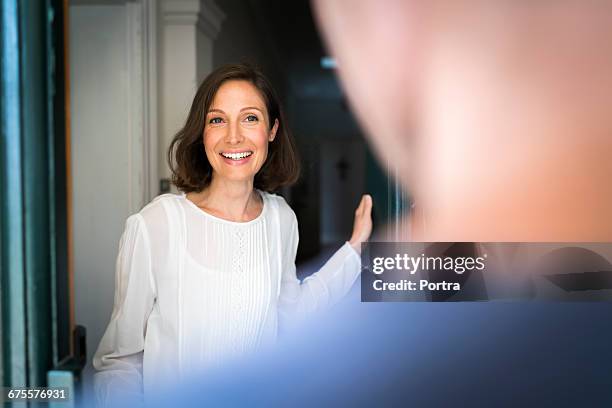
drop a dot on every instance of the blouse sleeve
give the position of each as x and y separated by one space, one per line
318 291
118 360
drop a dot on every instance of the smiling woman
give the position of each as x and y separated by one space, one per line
210 273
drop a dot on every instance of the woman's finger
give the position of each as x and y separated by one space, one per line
367 200
365 205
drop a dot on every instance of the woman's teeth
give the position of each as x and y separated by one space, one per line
236 156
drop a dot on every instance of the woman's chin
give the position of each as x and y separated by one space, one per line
237 176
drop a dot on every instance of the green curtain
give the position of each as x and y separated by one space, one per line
33 252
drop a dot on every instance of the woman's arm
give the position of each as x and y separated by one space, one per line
330 283
119 355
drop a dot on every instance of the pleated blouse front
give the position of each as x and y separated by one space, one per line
192 290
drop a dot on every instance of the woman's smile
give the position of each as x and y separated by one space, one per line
236 158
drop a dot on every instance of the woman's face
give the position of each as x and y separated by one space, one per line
237 132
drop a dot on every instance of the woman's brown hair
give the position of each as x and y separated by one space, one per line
190 168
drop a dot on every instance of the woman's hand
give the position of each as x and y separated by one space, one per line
362 227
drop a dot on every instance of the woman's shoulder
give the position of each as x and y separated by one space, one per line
286 213
155 213
160 201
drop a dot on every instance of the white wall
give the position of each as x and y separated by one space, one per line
113 135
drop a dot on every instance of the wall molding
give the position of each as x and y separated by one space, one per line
188 29
135 92
205 15
142 140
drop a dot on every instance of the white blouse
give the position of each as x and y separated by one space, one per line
192 289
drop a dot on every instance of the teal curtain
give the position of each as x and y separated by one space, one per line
33 253
13 263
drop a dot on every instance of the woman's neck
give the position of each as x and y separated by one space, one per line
232 200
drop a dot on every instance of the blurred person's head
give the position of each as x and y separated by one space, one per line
235 131
494 113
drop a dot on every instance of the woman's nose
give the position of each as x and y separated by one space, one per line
233 135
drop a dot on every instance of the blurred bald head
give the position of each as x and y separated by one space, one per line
495 114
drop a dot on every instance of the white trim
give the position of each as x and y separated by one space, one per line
210 19
203 14
151 123
142 143
135 92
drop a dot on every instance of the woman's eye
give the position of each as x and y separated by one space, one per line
215 121
251 118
